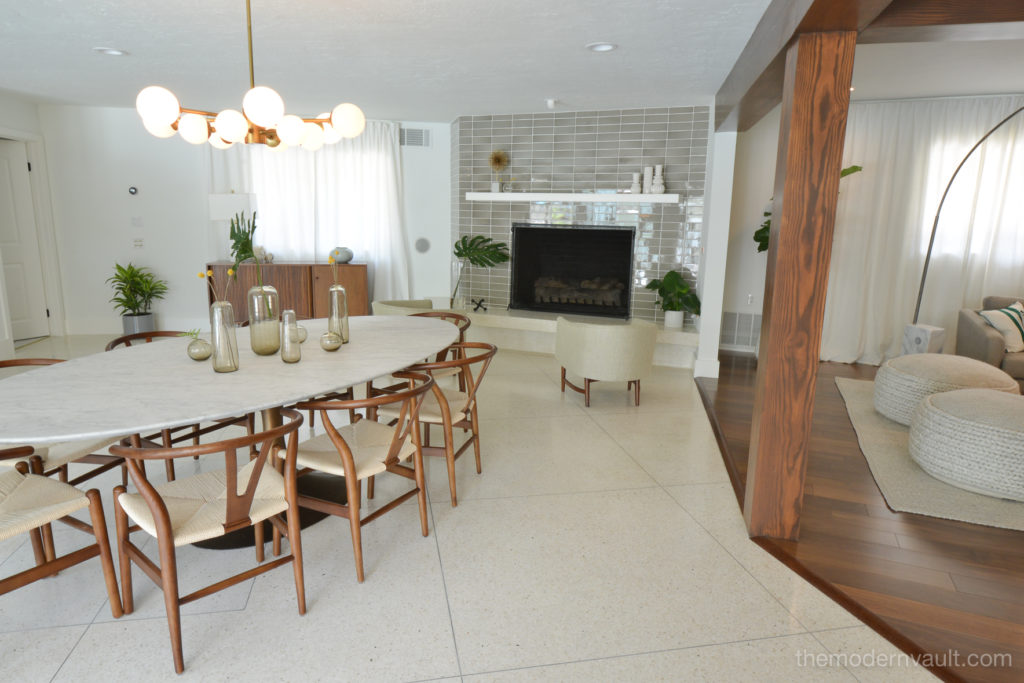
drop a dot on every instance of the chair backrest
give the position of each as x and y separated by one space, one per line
237 504
401 306
611 352
460 321
411 398
18 362
147 337
467 355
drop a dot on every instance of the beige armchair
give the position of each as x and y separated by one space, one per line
401 306
605 352
976 339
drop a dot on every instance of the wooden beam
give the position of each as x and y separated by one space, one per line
816 97
1007 30
754 86
909 13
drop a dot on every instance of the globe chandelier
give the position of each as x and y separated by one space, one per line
261 121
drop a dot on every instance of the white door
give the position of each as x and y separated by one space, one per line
23 272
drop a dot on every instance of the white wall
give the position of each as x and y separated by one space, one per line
94 155
17 115
426 176
753 185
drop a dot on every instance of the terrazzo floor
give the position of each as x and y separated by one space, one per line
599 544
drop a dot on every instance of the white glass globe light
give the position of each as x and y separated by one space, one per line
291 129
160 130
348 120
194 128
231 126
217 143
157 105
314 137
331 134
279 148
263 106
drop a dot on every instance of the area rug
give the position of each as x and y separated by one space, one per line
905 486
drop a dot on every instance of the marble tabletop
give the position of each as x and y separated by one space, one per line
147 387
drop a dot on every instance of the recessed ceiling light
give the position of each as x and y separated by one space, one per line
110 51
601 47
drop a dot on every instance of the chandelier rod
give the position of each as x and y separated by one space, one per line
248 26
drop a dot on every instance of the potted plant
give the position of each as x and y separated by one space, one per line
480 251
763 233
675 296
135 289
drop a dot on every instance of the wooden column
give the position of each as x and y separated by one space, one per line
815 100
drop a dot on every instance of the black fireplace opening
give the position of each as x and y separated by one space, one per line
585 269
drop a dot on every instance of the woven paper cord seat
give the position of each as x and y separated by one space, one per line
28 501
196 505
55 455
902 382
972 439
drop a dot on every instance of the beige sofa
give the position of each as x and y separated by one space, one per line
975 338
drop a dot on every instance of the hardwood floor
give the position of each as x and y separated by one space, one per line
946 591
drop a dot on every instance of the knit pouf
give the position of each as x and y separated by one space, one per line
902 382
972 439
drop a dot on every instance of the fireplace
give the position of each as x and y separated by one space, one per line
581 269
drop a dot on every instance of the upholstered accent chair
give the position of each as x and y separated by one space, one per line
611 352
975 338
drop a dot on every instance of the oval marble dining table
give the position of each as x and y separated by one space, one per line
147 387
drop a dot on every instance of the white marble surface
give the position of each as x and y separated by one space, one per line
150 386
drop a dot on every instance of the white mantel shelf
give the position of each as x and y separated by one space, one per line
591 197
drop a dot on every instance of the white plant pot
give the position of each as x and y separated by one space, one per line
673 320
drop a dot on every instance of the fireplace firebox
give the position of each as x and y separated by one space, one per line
585 269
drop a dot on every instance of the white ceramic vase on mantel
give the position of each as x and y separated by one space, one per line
673 320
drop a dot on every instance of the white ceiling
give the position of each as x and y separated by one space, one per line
422 60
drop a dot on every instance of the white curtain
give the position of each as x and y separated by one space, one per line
909 151
344 195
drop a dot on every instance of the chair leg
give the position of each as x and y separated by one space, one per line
586 391
169 470
449 459
563 380
121 523
46 531
295 543
37 547
476 436
636 389
369 487
169 577
354 525
417 465
260 541
99 528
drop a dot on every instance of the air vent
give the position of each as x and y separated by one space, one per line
414 137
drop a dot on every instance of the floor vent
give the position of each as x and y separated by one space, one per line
414 137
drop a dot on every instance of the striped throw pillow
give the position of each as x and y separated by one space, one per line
1010 323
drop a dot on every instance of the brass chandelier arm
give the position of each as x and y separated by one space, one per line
248 26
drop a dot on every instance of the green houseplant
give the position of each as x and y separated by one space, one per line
676 296
135 289
479 251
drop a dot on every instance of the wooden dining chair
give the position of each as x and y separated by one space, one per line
450 408
206 506
144 337
55 458
29 503
459 320
365 448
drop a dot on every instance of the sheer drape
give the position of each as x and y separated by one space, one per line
909 150
344 195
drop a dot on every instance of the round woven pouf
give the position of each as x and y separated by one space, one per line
902 382
972 439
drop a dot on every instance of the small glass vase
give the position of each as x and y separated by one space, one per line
458 298
199 349
290 351
264 323
337 312
222 337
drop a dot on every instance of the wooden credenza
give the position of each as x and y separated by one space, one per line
302 287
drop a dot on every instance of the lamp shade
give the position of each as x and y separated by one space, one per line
314 138
291 129
194 128
348 120
157 105
160 130
231 125
263 106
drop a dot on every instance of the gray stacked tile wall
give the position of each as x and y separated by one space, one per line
587 151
